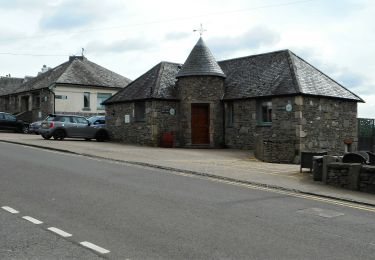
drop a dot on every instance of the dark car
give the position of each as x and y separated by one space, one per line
10 122
61 126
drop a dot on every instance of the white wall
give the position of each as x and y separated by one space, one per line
74 101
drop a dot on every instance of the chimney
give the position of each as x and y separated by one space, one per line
71 58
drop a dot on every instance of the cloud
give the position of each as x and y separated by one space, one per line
126 45
253 39
177 36
74 14
22 4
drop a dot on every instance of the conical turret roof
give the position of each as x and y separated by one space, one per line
200 62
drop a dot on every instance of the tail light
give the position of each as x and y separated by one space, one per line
51 124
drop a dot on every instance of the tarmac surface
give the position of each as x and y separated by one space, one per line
228 164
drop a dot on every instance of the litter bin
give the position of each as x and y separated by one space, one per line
307 159
317 168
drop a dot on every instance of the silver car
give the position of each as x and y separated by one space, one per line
61 126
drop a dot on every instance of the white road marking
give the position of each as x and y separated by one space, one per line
59 232
9 209
32 220
95 247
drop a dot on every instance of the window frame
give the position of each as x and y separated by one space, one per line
229 114
140 111
86 99
99 105
264 117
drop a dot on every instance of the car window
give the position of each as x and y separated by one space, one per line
64 119
10 117
1 116
99 122
80 120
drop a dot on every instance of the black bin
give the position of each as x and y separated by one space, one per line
317 168
307 159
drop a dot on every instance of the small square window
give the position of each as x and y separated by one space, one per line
264 112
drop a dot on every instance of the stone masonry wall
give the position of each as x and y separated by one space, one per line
201 89
272 143
158 120
33 114
367 179
326 123
353 176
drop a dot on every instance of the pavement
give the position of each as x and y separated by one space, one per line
229 164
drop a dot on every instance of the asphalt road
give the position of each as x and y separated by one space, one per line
144 213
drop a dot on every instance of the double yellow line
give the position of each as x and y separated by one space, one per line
287 193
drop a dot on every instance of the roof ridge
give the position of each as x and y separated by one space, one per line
318 70
157 83
70 62
292 68
254 55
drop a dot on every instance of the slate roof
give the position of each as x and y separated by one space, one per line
200 62
278 73
157 83
8 84
77 71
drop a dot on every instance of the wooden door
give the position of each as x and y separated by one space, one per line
200 124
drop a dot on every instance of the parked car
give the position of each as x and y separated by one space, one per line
34 127
61 126
10 122
97 121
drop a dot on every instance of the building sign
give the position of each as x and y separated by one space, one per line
127 119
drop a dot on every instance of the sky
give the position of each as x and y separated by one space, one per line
130 37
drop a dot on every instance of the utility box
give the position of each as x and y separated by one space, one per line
307 159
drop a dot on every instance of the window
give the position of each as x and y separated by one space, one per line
61 97
36 101
10 117
264 112
101 97
86 100
140 111
229 114
80 120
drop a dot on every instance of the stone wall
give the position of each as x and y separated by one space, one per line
158 120
351 176
326 123
201 89
12 104
276 142
367 179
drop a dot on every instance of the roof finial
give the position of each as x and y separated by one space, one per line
83 50
201 30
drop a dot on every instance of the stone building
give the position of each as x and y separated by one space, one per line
77 86
275 103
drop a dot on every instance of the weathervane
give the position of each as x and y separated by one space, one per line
201 30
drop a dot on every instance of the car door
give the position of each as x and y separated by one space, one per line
82 128
3 122
11 121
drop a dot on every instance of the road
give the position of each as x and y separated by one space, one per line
144 213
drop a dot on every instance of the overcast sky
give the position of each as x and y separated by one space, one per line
130 37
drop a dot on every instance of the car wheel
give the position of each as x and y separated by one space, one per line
101 136
47 137
87 139
25 129
59 135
